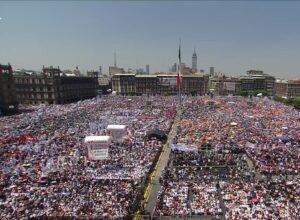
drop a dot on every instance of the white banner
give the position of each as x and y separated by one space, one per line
100 154
167 81
230 86
97 151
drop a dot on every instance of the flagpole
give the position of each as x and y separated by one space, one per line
179 58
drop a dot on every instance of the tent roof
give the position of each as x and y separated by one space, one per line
97 139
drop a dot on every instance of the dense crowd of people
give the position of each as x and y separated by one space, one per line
45 170
220 151
275 199
238 141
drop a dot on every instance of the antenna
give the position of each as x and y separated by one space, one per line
115 59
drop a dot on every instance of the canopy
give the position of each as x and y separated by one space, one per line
113 127
101 139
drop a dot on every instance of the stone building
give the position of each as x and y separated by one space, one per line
164 84
8 99
224 85
287 88
256 80
52 88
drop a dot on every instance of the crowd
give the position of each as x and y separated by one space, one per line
44 168
275 199
238 140
222 146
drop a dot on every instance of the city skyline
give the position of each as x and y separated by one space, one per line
231 36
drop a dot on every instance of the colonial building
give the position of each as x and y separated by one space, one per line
287 88
194 84
225 85
52 88
124 84
8 99
164 84
146 84
256 80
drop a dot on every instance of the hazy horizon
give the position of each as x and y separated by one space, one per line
233 36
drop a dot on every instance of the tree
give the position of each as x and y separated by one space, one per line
244 93
296 102
279 99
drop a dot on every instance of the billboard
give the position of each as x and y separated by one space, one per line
167 81
117 132
230 86
98 147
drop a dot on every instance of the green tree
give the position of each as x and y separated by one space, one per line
296 102
279 99
244 93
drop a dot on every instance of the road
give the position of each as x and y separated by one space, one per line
162 163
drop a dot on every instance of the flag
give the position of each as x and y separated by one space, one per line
178 80
179 54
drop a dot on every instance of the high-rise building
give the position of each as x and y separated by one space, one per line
100 70
174 67
211 71
115 59
147 69
194 62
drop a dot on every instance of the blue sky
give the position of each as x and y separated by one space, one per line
231 36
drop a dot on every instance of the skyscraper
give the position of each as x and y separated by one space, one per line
115 59
174 67
147 69
212 71
194 62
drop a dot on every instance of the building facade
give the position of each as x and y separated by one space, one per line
225 85
194 84
8 99
146 84
124 84
52 88
256 80
287 88
163 84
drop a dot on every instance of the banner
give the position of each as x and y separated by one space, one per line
167 81
117 132
230 86
184 148
97 151
97 147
